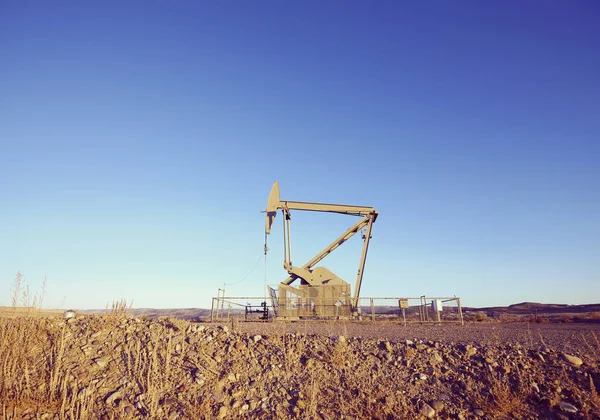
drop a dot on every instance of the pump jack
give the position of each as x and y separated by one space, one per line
321 293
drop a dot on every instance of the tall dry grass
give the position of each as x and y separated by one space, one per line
43 374
46 371
21 296
32 374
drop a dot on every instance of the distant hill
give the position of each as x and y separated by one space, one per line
181 313
523 308
526 308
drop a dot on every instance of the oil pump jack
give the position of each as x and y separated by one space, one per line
321 293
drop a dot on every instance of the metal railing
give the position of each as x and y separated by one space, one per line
422 309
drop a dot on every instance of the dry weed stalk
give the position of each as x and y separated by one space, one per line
119 308
15 289
595 337
502 401
594 398
21 295
32 373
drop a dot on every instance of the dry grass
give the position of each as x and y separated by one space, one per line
32 376
119 308
42 373
29 312
594 398
49 367
503 400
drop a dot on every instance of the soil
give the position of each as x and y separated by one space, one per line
121 367
569 337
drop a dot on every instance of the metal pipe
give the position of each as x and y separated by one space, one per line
289 238
361 267
285 253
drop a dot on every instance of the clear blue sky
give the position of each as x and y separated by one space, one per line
139 141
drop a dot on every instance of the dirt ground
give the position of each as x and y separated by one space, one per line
574 337
117 366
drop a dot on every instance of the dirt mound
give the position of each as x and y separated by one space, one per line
131 368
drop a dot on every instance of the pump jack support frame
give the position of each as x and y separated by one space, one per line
369 216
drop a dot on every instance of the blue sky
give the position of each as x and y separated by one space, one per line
139 141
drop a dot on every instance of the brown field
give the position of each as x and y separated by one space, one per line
10 312
116 366
569 337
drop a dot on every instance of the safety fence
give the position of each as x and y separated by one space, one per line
421 309
406 310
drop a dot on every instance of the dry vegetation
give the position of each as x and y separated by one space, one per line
115 366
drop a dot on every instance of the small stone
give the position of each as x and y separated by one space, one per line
566 407
222 412
478 412
257 338
84 392
101 361
113 396
422 376
470 350
438 405
436 358
574 360
231 377
427 411
409 342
